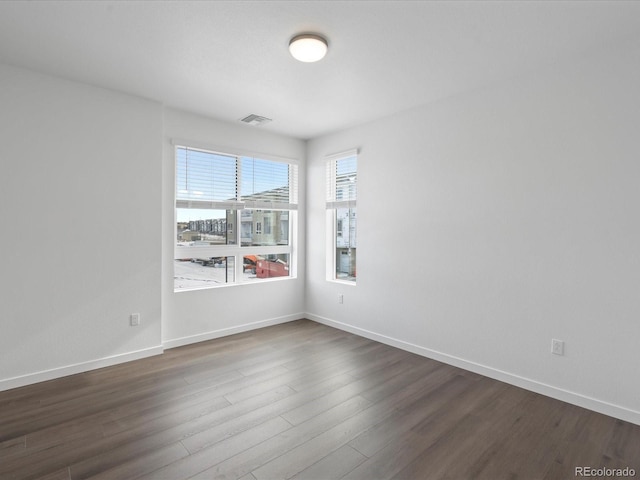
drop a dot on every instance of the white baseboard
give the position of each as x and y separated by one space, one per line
67 370
580 400
31 378
223 332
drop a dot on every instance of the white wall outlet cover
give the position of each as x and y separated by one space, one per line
557 347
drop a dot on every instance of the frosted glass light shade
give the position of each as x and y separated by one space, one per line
308 47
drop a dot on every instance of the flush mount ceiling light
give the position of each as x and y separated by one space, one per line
308 47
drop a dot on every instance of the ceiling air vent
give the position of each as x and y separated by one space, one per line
255 120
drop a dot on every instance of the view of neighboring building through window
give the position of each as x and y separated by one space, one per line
342 215
226 207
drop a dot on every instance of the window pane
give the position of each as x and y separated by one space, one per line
257 267
264 227
205 176
346 187
205 227
190 273
346 243
265 180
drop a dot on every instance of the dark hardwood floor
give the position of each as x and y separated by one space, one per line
303 401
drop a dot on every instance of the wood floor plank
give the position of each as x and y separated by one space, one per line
357 387
254 457
219 452
98 459
344 352
186 406
134 441
141 465
298 458
396 454
413 406
438 459
624 444
540 432
56 413
335 465
248 476
238 424
268 410
62 474
13 446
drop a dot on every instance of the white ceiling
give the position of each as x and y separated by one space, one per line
228 59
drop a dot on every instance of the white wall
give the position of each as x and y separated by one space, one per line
197 315
516 220
80 211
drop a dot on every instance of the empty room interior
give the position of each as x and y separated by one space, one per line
413 254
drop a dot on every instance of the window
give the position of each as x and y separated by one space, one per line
342 216
214 193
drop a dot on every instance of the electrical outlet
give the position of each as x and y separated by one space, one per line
134 319
557 347
340 298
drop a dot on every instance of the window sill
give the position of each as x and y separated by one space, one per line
342 282
241 284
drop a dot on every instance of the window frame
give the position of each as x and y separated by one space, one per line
335 201
237 250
